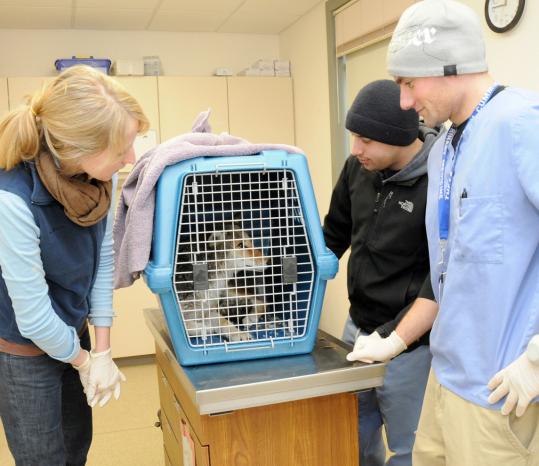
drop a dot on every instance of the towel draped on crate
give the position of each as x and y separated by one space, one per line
133 227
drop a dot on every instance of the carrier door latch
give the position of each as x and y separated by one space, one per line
290 269
200 277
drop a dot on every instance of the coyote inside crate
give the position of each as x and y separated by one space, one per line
230 300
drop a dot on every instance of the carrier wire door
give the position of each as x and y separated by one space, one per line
249 262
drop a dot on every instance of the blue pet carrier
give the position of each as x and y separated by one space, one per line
238 257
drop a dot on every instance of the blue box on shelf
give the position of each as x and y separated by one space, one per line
101 64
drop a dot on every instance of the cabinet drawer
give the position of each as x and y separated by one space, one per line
178 421
172 447
170 405
167 459
167 364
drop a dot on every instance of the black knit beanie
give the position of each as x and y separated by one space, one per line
376 114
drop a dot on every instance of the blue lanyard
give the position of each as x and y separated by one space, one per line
444 193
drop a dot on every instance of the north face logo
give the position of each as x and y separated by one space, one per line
408 206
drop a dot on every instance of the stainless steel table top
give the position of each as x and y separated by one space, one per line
217 388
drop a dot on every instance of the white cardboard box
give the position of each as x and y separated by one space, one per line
125 67
263 64
281 64
256 72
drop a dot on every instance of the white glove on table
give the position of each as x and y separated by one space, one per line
373 347
519 382
104 379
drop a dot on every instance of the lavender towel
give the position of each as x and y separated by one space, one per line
133 227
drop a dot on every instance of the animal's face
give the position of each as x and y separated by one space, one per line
234 248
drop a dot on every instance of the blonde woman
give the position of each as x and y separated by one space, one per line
58 159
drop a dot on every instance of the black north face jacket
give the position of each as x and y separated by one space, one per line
382 220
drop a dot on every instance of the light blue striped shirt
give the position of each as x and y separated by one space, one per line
22 271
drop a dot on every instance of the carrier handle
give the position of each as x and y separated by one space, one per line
270 346
228 166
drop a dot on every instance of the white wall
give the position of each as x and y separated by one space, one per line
33 52
304 43
512 56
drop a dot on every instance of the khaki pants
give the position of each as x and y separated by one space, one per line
455 432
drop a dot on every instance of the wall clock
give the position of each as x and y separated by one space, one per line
503 15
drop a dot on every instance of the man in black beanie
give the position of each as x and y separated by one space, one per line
378 210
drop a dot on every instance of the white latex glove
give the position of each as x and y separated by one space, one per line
104 379
373 347
519 381
84 371
360 343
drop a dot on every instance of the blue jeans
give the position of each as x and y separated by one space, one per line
43 408
396 406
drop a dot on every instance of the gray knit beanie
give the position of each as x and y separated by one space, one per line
376 114
437 38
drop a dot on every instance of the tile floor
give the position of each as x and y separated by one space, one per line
124 432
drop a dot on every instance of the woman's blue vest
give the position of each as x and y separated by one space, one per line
69 252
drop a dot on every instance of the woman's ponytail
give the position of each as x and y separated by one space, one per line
19 137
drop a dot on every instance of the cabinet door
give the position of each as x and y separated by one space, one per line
21 87
261 109
130 335
144 89
4 102
181 99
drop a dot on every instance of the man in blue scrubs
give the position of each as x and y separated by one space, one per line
481 406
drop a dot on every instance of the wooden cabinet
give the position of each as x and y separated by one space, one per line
130 337
296 410
261 109
129 334
4 101
311 432
180 439
19 88
144 89
181 99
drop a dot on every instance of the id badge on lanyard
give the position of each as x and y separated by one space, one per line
444 192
